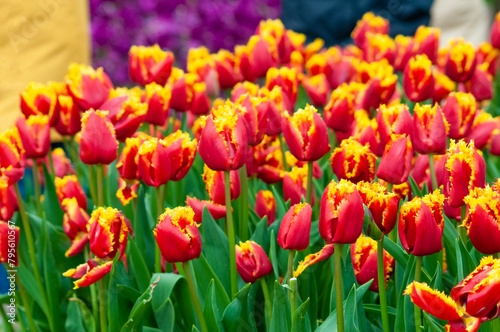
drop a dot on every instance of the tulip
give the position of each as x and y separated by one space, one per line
317 89
182 151
69 122
126 113
339 111
364 261
242 88
295 228
421 224
286 78
306 134
380 86
459 110
88 87
421 173
200 103
443 86
429 129
255 112
295 184
8 201
154 163
127 190
311 259
9 238
127 166
461 61
177 235
148 64
257 57
363 130
69 187
481 83
225 63
393 120
40 99
418 79
252 262
278 104
224 141
217 211
108 231
98 144
265 206
483 129
89 273
75 222
158 100
341 213
35 135
465 170
62 164
379 46
427 39
495 32
11 156
182 89
487 55
404 50
383 206
353 161
395 165
369 23
215 185
483 220
270 168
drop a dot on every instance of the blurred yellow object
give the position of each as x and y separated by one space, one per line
38 41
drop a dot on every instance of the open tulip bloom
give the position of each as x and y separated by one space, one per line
217 198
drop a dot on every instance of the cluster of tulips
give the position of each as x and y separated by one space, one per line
380 155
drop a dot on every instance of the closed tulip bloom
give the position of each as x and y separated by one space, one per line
395 165
317 88
8 201
421 224
394 119
11 156
182 89
427 39
88 87
364 262
277 104
35 135
257 57
126 113
255 112
158 99
108 233
306 134
75 222
443 86
286 78
265 206
224 139
483 219
483 129
418 79
148 64
383 206
182 151
459 110
380 86
154 163
353 161
242 88
217 211
379 46
39 98
225 65
404 50
340 109
98 144
252 262
69 122
215 185
429 129
127 165
461 61
9 235
465 170
481 83
295 228
69 187
369 23
495 32
341 213
177 235
294 185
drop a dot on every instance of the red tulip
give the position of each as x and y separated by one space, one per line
242 88
459 110
9 238
252 262
380 86
481 83
69 122
461 61
182 89
383 206
215 185
311 259
177 235
8 201
483 129
265 205
88 87
35 135
395 165
148 64
353 161
127 166
379 46
295 228
285 78
340 109
75 223
443 86
154 163
393 120
182 151
217 211
341 213
158 100
427 39
405 49
255 112
418 79
368 23
257 56
421 224
495 32
294 185
11 156
317 89
429 129
108 231
98 144
225 65
487 56
69 187
40 99
89 273
126 113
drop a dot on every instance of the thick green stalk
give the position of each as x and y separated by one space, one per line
496 256
159 211
194 296
418 271
283 152
389 187
184 122
231 237
267 299
93 294
93 190
381 285
51 162
100 190
309 189
339 300
294 301
243 222
103 311
38 190
433 173
461 229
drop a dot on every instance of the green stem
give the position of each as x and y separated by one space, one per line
102 305
461 229
243 224
267 299
31 251
393 236
418 271
27 307
339 299
283 152
496 256
433 173
100 180
92 186
159 211
51 162
6 324
194 296
389 187
184 122
93 294
289 271
292 282
38 190
310 167
381 284
231 237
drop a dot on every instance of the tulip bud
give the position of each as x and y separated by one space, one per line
295 185
278 104
427 39
459 110
429 129
295 228
11 156
380 86
127 165
418 80
265 205
257 57
40 99
339 111
8 201
252 262
286 78
215 185
461 61
368 23
126 113
225 63
182 151
481 83
353 161
483 129
255 112
154 163
88 87
108 233
223 141
35 135
421 224
395 165
341 213
217 211
158 100
9 238
177 235
98 144
379 46
69 122
69 187
404 50
383 206
393 120
465 170
306 134
242 88
148 64
364 261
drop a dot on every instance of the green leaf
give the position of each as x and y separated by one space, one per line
281 319
203 275
142 304
414 187
75 317
435 327
210 310
51 275
143 229
138 266
375 309
50 204
274 256
236 317
300 319
350 312
118 306
112 186
280 204
399 324
399 254
465 262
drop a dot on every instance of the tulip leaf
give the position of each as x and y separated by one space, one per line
50 204
138 310
436 281
237 315
78 316
138 266
465 262
274 256
348 277
435 327
449 237
118 305
112 186
396 251
260 233
375 309
210 310
300 318
414 187
281 319
350 312
143 232
128 292
280 203
27 279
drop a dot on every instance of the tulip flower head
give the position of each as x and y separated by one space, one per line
69 187
75 222
317 88
35 135
394 119
369 23
148 64
177 235
69 122
8 201
418 79
461 61
11 157
379 46
154 163
265 205
295 228
395 165
127 190
9 238
340 109
39 98
495 32
353 161
429 129
459 110
443 86
182 151
383 206
108 233
215 185
295 184
404 49
98 144
217 211
286 78
427 39
252 262
88 87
